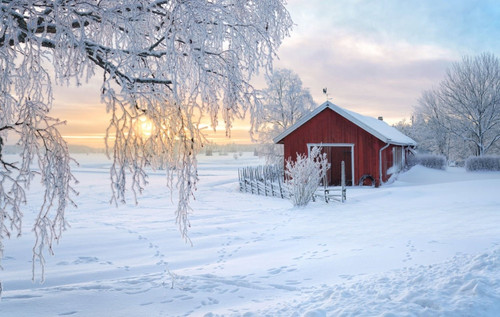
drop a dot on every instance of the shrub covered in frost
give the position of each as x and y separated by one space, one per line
304 175
428 160
483 163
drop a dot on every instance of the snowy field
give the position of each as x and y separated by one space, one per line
426 245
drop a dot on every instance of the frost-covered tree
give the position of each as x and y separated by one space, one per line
304 175
467 102
428 125
165 62
285 101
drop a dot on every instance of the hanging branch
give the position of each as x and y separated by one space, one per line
169 62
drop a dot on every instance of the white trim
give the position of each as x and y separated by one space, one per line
351 145
331 144
381 175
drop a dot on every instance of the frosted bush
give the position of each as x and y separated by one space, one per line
304 175
428 160
483 163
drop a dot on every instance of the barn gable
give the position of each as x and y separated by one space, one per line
378 128
368 146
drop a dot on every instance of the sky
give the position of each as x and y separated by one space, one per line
374 57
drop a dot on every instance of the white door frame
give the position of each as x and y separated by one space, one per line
351 145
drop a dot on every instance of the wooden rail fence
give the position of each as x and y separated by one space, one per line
268 180
337 193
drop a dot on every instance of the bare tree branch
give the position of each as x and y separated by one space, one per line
170 62
467 103
284 102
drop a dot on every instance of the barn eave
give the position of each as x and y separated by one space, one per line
377 128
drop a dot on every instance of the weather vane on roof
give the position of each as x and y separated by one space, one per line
325 91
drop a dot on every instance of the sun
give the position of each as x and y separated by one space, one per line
145 127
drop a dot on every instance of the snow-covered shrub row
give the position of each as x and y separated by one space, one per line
428 160
483 163
304 175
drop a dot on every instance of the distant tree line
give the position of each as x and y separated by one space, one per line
461 116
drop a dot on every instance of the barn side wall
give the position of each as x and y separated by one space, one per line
330 127
387 161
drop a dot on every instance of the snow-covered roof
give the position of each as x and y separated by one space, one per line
378 128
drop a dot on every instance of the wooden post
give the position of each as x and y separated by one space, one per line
251 179
342 199
281 189
256 182
260 180
325 189
245 180
239 179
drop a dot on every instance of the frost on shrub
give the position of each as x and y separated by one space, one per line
483 163
304 175
428 160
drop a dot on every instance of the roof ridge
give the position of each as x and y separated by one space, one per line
378 128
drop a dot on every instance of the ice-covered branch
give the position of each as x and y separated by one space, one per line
304 174
169 62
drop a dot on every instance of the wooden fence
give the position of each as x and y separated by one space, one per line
268 180
337 193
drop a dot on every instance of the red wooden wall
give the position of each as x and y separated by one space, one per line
330 127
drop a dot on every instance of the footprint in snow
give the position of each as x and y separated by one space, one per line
275 271
210 301
86 260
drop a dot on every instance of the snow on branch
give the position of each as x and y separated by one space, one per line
304 175
285 101
169 62
465 107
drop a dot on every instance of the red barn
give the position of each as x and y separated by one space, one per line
371 149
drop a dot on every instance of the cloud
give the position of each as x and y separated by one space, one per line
374 78
375 57
462 25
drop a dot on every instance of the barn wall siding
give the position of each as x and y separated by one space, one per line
330 127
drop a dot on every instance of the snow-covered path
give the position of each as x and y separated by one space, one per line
428 244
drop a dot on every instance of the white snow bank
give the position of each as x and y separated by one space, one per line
462 286
420 175
426 245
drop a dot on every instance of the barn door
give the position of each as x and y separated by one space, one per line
335 155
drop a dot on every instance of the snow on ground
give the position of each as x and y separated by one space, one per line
426 245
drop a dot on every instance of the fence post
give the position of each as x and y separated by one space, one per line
281 189
251 179
256 181
326 192
239 179
260 180
245 180
343 181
